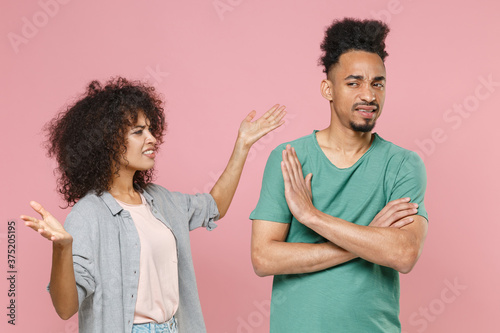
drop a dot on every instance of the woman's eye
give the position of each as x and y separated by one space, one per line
138 132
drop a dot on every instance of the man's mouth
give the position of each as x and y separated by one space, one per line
366 111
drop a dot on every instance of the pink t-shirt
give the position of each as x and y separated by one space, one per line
158 291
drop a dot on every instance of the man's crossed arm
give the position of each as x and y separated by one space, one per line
394 238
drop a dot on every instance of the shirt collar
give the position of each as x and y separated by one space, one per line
113 206
148 197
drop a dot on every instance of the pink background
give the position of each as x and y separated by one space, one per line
214 61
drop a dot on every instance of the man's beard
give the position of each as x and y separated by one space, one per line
366 127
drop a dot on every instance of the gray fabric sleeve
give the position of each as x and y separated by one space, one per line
202 211
83 262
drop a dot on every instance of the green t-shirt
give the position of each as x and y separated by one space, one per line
357 296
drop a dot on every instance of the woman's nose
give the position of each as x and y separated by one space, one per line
150 138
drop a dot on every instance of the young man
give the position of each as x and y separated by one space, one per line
336 251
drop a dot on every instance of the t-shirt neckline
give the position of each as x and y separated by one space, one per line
374 143
143 202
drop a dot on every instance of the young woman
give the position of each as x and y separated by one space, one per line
123 258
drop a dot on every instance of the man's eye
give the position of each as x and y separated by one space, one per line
379 85
352 84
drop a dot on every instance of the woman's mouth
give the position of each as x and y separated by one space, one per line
149 153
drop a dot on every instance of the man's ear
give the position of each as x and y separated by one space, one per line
326 89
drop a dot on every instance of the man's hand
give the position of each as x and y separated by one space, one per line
396 214
394 238
298 192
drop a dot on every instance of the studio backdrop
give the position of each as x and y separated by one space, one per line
213 61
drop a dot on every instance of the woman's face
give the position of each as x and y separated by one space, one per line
141 147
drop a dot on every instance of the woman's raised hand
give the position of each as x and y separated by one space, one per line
250 132
48 227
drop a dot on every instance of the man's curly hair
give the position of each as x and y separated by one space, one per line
88 138
352 35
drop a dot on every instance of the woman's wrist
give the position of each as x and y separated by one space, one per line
63 244
242 145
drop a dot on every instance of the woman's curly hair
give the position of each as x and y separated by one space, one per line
88 139
352 34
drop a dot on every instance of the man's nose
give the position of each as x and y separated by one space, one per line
368 94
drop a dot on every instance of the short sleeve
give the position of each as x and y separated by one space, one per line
411 181
272 204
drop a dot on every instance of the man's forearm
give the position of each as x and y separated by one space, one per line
398 248
279 257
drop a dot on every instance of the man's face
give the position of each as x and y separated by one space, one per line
357 84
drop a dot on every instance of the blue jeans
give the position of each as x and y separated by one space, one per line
167 327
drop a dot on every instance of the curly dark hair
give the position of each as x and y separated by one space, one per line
352 34
88 138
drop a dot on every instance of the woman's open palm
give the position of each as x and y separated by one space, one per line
250 131
48 226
